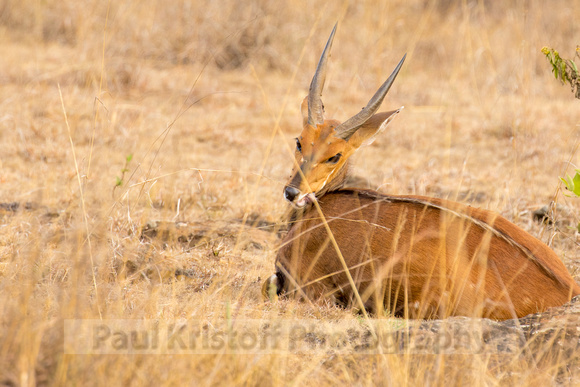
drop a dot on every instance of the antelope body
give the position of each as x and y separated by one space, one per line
415 256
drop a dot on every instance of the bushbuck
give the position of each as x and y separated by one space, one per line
413 256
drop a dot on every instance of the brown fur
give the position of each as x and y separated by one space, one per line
421 257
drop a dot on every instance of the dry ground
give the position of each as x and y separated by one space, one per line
205 97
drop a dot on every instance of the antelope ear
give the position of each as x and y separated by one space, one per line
368 131
304 111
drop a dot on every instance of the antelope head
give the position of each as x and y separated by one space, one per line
325 145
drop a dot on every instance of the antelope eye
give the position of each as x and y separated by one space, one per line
298 146
334 159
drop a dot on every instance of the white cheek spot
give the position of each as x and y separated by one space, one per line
328 177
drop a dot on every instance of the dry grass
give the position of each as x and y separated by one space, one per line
196 92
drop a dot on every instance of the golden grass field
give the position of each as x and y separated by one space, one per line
205 96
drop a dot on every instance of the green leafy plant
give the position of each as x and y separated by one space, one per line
119 180
572 183
565 70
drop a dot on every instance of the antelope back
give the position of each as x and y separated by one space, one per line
420 257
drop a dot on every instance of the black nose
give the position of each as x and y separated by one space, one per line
290 193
